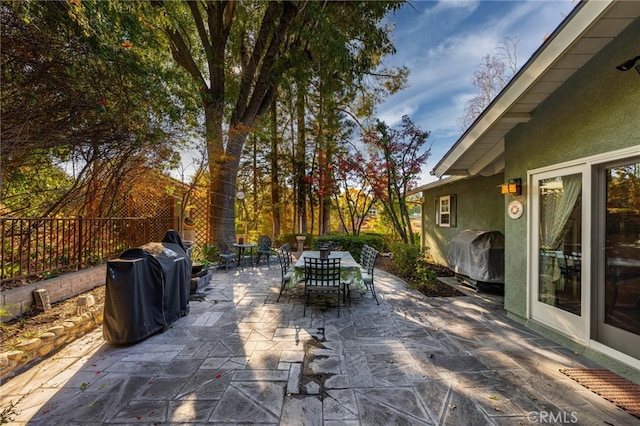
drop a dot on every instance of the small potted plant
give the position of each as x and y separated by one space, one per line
189 224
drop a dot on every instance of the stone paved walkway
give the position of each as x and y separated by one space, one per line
241 358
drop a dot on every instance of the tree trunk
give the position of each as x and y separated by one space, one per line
254 170
275 185
223 167
301 220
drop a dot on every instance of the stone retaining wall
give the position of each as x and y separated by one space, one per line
28 352
17 301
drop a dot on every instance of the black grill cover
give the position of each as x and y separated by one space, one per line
478 255
147 289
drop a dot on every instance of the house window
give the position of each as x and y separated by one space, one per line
446 211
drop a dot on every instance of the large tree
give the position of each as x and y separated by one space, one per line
238 52
396 157
84 85
490 77
353 196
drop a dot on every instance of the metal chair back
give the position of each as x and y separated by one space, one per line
322 276
264 248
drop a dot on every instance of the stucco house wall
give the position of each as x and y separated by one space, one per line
584 117
480 206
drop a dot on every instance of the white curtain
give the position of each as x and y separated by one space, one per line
556 209
557 213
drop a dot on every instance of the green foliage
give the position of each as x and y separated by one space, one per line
354 243
4 312
28 189
207 254
291 239
9 271
9 413
410 261
405 258
423 275
100 101
396 158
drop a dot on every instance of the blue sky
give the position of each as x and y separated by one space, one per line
442 43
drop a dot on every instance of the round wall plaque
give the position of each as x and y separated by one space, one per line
515 209
240 195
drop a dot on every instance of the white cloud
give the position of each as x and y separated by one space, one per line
393 116
443 42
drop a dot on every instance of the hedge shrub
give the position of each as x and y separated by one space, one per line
411 263
354 243
291 239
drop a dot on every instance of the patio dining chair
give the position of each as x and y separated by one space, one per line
226 255
264 249
363 254
286 272
322 276
286 249
368 260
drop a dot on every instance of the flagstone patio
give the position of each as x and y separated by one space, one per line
240 357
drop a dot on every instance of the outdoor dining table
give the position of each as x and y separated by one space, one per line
242 248
350 270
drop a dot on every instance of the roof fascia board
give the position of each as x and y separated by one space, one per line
583 16
435 184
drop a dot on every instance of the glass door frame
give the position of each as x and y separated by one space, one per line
574 326
598 324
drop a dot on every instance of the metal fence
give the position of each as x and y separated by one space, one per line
35 248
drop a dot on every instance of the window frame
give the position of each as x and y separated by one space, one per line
450 212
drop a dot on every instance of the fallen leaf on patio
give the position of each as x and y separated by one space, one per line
452 406
83 386
495 398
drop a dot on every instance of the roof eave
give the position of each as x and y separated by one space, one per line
567 33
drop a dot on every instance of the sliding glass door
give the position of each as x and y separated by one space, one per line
584 263
558 286
617 297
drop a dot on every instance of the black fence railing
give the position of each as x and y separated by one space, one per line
36 248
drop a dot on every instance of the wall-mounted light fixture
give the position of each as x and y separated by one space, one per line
627 65
513 187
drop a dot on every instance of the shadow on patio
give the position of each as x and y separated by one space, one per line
240 357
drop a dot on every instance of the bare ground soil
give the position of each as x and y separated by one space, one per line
437 289
35 323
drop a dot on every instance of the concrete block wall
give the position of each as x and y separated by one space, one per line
18 300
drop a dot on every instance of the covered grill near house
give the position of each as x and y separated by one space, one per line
477 257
